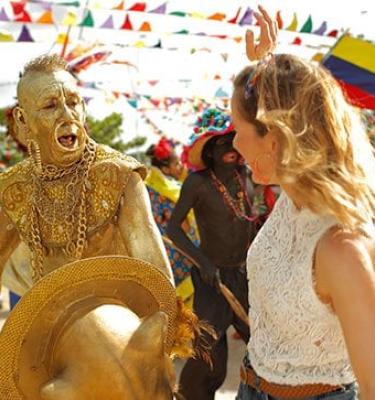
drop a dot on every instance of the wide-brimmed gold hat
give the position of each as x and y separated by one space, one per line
32 329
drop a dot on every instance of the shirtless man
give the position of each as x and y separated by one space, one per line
220 194
71 198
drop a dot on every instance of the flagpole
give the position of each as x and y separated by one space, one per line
84 15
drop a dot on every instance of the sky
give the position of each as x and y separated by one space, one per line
179 71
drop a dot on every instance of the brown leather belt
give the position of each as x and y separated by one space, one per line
249 377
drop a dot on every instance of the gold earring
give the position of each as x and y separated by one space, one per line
33 150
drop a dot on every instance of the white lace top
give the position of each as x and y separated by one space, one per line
295 338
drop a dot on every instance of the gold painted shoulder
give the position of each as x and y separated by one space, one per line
107 180
15 193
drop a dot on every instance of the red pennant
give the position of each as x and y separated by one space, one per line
297 41
279 20
333 33
234 20
20 14
138 7
127 24
155 102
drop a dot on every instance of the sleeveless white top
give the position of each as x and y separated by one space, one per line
295 338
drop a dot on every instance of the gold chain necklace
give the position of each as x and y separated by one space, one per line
62 210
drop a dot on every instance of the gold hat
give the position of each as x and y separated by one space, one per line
33 328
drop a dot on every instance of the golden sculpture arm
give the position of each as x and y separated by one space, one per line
138 228
9 240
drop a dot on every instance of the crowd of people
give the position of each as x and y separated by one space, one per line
274 201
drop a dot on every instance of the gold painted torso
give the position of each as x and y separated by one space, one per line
59 204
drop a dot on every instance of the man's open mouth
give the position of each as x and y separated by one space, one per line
69 141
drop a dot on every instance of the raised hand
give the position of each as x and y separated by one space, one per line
268 36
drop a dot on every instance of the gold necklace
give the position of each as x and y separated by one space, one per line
65 208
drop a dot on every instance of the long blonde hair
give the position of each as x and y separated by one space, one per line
325 153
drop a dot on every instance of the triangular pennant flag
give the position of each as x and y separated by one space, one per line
20 14
139 44
297 41
88 20
138 7
279 20
321 29
182 32
162 9
46 18
247 18
178 13
221 93
216 77
70 18
158 45
6 37
333 33
217 17
62 38
127 24
3 15
108 24
133 103
25 35
87 99
294 24
197 15
120 6
318 57
307 26
146 27
234 19
238 39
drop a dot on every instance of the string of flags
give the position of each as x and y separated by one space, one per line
43 12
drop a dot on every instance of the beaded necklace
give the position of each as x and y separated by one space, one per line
237 206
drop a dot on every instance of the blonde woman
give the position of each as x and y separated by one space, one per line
311 268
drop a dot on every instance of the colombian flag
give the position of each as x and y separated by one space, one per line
352 63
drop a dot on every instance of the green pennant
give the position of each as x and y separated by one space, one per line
178 13
308 26
182 32
69 3
88 20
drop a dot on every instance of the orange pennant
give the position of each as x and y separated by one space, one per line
46 18
217 17
120 6
146 27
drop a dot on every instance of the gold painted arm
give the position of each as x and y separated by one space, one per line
9 240
138 228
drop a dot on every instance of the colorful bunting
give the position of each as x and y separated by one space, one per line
234 19
321 29
138 7
279 20
294 24
297 40
3 15
127 24
46 18
108 24
160 10
221 93
88 21
247 18
25 35
307 26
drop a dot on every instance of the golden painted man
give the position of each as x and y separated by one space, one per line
71 198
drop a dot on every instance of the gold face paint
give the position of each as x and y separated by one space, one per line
54 115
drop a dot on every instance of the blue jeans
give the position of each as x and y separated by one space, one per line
246 392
